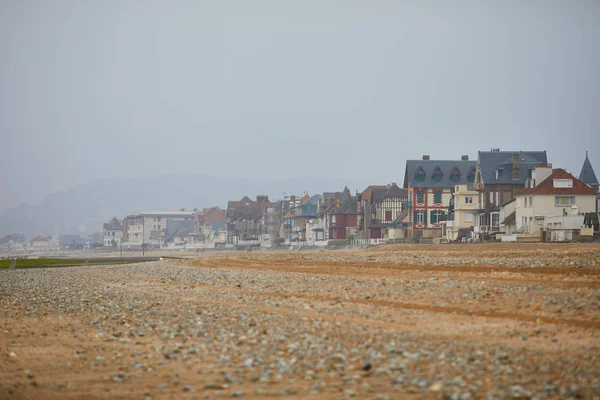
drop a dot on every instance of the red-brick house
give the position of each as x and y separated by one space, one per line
430 185
345 219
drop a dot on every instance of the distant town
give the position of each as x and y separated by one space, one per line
502 195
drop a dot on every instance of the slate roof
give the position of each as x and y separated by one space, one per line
587 174
328 195
395 191
348 207
71 240
489 161
113 225
367 193
547 185
430 166
174 225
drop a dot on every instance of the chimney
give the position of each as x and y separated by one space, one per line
464 158
516 160
394 183
425 156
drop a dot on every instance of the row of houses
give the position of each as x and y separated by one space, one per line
501 192
17 242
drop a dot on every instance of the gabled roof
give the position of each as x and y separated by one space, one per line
71 240
490 161
366 194
547 185
349 207
587 174
113 225
466 168
395 191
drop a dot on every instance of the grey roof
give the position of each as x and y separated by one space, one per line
315 199
587 174
174 225
71 240
395 191
328 195
113 225
379 194
489 161
350 206
429 166
217 225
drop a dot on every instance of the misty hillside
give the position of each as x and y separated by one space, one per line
83 209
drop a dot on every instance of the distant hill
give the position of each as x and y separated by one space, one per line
83 208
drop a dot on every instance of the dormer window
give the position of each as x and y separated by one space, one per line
420 175
455 175
471 176
437 175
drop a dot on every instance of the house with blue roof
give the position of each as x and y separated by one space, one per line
430 185
500 176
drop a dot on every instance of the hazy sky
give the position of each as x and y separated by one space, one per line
276 89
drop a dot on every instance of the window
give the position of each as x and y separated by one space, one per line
437 196
495 220
388 215
437 175
497 198
518 202
420 196
457 201
564 201
563 183
491 197
471 177
525 201
455 175
420 175
469 200
435 216
468 217
159 227
420 217
530 201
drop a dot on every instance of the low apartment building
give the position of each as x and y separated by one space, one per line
139 225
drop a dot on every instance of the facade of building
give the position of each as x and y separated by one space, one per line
138 226
384 207
462 214
559 194
500 176
344 223
40 243
430 185
246 219
113 233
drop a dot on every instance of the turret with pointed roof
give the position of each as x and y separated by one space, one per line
587 174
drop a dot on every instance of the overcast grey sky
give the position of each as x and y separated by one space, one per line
276 89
